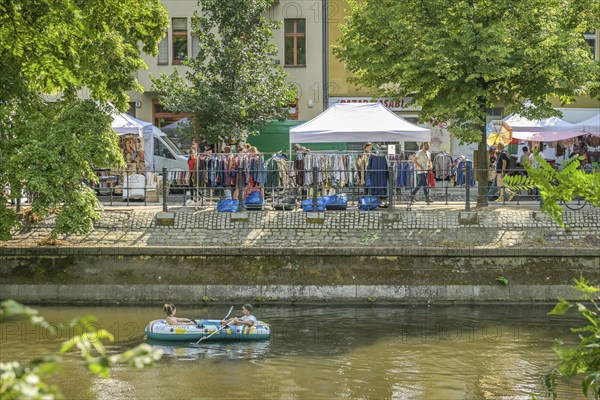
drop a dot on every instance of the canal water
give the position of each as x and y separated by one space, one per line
321 352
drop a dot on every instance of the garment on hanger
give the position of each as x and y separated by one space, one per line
442 166
377 176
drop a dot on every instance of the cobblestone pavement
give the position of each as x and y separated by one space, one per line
440 225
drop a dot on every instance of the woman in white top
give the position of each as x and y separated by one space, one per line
172 320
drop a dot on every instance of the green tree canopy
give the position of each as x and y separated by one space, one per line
455 58
233 83
60 47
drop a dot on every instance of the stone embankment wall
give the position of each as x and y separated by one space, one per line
408 256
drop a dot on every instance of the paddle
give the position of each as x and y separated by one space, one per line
218 330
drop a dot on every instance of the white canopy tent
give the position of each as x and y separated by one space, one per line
126 124
360 122
541 130
590 125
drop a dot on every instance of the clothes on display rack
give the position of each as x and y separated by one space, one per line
460 164
278 174
442 166
221 170
334 170
377 176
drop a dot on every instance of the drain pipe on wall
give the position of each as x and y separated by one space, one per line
325 39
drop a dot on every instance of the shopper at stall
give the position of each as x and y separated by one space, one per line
501 172
423 165
524 157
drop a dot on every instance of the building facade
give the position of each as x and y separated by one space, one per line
299 40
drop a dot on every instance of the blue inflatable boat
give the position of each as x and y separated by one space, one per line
160 330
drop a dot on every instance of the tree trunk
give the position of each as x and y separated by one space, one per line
482 165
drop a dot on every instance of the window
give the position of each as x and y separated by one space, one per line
494 114
163 50
131 109
162 117
591 38
180 39
195 46
161 150
295 42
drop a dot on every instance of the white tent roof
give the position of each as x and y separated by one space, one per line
361 122
126 124
590 125
541 130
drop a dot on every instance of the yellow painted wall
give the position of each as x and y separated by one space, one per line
338 75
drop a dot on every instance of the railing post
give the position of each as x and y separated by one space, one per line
391 185
128 186
164 188
315 186
239 187
467 186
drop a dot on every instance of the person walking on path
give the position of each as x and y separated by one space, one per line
423 165
501 171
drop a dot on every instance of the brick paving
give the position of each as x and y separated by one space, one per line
422 226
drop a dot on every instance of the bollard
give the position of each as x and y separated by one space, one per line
314 196
391 184
239 188
164 188
468 186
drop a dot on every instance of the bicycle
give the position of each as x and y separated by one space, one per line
580 203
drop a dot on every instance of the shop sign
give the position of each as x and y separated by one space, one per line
392 104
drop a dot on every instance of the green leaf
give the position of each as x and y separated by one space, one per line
561 308
589 380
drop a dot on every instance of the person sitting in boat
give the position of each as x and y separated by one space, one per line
247 319
170 309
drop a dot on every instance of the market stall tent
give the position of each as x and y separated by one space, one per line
541 130
126 124
361 122
590 125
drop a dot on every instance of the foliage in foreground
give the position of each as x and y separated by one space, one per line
48 152
28 380
81 52
584 359
555 186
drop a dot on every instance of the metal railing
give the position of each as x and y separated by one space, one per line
395 187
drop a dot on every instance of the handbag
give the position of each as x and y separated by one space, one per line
286 203
254 199
336 202
227 205
307 205
367 203
431 179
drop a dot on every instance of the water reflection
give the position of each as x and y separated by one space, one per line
225 350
